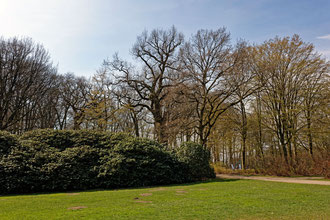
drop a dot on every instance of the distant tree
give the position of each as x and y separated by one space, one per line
314 96
285 67
75 94
128 100
243 77
209 65
26 77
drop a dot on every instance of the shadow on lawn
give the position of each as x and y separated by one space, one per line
215 180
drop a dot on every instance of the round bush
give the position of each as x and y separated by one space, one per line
197 159
62 139
140 162
75 168
7 142
24 169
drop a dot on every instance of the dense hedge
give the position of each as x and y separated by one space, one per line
62 139
7 141
140 162
197 160
50 160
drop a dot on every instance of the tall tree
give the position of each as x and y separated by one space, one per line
157 52
26 75
283 66
313 95
209 61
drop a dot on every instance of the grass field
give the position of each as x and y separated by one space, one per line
217 199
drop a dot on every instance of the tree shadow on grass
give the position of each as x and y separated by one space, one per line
215 180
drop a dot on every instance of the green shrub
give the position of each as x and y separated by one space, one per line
51 160
74 168
33 168
140 162
97 139
7 142
22 170
197 159
62 139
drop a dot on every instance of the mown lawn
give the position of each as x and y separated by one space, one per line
218 199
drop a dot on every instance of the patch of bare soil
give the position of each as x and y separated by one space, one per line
142 201
77 207
181 191
199 189
73 194
157 189
301 180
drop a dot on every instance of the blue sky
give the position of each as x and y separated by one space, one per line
80 34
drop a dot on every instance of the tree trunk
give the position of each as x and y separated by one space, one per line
309 134
243 134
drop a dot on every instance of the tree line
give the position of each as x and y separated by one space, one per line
253 104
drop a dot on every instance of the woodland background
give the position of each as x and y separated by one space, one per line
265 106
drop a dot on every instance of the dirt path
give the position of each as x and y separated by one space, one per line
302 180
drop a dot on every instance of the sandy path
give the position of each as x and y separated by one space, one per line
302 180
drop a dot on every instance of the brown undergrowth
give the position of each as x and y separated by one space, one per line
304 165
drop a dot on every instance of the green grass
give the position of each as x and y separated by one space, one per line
218 199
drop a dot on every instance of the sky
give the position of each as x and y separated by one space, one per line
80 34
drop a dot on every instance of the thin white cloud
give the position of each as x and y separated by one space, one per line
325 37
325 54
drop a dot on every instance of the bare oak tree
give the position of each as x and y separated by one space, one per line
157 52
209 61
26 75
